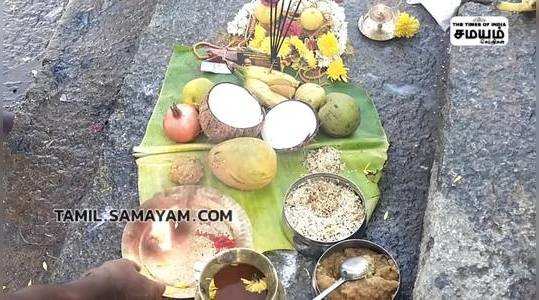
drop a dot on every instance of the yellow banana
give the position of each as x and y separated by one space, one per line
284 90
263 93
271 78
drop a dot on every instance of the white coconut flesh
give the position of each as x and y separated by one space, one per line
289 124
234 106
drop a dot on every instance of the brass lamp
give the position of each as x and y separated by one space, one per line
379 22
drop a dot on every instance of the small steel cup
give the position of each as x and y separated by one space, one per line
310 247
246 256
353 244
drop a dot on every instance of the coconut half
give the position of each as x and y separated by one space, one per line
230 111
289 125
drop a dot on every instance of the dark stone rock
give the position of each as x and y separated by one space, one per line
54 153
406 80
479 224
27 27
441 281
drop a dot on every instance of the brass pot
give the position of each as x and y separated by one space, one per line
246 256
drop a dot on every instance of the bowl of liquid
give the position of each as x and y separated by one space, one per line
239 274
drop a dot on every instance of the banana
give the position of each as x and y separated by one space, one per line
284 90
271 78
263 93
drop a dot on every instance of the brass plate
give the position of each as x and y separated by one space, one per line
177 262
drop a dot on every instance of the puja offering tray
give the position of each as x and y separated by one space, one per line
267 112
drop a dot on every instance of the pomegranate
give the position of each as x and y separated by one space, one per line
181 123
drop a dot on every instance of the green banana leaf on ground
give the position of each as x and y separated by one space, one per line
364 154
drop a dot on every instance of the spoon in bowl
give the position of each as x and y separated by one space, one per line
353 268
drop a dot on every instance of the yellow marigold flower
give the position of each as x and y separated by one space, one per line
260 32
255 286
310 59
298 44
304 52
265 45
212 290
328 44
285 48
337 70
254 44
258 37
406 25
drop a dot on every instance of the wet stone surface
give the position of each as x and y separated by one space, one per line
27 27
402 77
54 150
479 235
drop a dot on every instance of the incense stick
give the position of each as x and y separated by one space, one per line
282 23
289 23
272 32
278 22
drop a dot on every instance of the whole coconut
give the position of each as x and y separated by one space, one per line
243 163
312 94
340 116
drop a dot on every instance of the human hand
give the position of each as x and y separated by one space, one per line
123 281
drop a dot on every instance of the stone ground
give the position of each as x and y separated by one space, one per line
57 142
482 196
102 70
27 28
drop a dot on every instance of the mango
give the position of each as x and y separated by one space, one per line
243 163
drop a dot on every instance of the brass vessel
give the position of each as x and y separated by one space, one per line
246 256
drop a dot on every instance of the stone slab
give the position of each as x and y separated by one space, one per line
52 155
479 230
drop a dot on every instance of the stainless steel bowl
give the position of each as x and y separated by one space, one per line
353 244
241 255
310 247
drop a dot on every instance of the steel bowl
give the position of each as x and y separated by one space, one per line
310 247
353 244
241 255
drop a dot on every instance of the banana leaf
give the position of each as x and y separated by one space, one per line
364 154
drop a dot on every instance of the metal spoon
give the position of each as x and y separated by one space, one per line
351 269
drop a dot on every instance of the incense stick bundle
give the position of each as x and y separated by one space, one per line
278 22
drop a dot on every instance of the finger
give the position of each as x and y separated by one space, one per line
127 263
151 289
159 289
